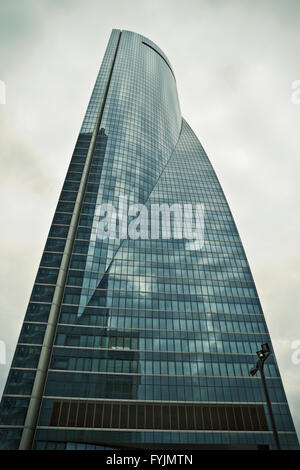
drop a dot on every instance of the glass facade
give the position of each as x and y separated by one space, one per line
151 342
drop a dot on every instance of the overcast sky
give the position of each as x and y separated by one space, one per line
234 62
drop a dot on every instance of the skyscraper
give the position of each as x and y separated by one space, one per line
138 339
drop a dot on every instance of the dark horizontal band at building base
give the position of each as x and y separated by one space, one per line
157 416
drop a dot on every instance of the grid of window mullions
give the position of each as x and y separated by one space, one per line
163 416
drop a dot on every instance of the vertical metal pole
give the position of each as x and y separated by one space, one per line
263 379
44 360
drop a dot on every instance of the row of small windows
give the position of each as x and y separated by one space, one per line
223 260
97 316
182 259
132 415
76 384
169 274
183 292
166 341
155 321
158 248
184 368
83 247
163 339
203 273
124 319
110 300
211 202
166 292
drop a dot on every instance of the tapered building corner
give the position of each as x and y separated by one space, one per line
144 319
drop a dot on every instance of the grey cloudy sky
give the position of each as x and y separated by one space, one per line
234 61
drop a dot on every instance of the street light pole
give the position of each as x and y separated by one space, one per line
263 354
